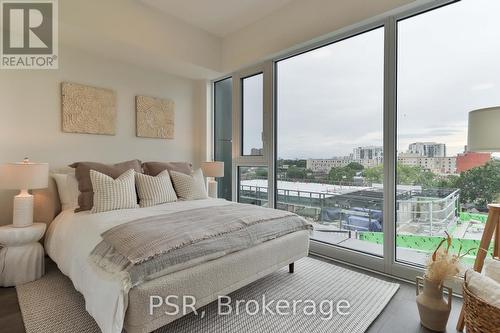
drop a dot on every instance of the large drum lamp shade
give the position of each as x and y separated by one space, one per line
484 130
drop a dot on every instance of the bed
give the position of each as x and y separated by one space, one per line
71 237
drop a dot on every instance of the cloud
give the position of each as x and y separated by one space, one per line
331 99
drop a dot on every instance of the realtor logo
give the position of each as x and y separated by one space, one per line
29 38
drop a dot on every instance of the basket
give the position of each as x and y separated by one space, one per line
480 317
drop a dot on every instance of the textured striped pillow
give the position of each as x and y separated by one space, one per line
189 187
112 194
154 190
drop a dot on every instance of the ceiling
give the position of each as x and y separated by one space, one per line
219 17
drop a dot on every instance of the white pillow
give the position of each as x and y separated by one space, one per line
483 287
67 187
189 187
113 194
492 269
154 190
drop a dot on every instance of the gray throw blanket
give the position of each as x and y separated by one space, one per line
154 246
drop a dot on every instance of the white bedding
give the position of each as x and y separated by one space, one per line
72 236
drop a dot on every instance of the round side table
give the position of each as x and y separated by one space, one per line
21 255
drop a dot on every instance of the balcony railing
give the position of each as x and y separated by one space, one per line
418 212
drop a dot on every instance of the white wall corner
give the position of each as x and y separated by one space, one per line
301 23
203 126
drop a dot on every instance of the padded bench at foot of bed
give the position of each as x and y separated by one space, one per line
211 279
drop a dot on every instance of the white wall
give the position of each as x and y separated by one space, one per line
30 116
131 31
297 23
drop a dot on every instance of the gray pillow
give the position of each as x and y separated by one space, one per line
154 168
82 173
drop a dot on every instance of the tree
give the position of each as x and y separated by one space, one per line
449 181
294 172
374 174
346 173
414 175
339 174
261 173
406 175
296 162
481 185
478 186
355 166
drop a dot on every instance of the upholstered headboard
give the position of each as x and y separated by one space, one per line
47 203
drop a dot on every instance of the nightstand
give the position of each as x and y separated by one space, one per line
21 255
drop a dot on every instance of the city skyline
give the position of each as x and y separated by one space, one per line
407 151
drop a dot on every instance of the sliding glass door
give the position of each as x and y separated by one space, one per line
330 140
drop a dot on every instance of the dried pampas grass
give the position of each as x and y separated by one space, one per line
443 264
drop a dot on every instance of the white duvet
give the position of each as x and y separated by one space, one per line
72 236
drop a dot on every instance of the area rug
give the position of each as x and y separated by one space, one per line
51 304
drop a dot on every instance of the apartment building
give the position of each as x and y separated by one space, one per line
427 149
438 165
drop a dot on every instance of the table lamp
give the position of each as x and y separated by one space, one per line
484 136
212 169
23 176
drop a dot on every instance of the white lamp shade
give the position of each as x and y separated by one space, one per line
484 130
24 176
213 169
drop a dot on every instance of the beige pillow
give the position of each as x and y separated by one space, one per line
483 287
67 187
154 190
189 187
113 194
492 269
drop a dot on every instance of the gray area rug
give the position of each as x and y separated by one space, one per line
51 304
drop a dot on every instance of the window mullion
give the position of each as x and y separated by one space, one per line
390 103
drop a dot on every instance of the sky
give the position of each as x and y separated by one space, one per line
330 100
252 112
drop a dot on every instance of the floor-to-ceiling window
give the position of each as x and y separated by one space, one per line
330 140
448 65
375 118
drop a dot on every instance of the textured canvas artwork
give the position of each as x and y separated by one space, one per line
88 109
155 117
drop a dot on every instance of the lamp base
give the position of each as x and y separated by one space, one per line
23 209
212 188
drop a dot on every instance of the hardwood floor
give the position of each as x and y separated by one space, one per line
10 314
400 315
